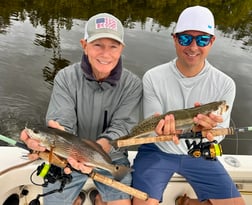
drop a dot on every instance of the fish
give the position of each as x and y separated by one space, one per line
183 120
84 150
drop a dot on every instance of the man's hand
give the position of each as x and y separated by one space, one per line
204 122
55 124
74 163
166 126
78 166
106 146
35 144
32 144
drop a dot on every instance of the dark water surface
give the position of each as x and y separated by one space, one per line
38 38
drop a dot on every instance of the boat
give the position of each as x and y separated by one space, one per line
16 172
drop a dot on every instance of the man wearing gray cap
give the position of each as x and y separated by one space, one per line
188 80
97 99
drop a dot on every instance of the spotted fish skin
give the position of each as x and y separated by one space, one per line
83 150
183 119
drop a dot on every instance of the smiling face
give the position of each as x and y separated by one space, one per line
191 58
103 55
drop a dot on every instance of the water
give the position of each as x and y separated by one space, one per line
37 40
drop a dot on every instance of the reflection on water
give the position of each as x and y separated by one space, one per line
57 64
38 38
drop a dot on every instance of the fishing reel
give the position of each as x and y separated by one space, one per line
207 150
51 173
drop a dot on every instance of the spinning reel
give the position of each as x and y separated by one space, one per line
207 150
51 173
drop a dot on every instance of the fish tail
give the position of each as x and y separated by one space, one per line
120 171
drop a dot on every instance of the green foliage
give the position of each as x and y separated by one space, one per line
233 17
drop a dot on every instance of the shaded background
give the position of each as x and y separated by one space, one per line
38 38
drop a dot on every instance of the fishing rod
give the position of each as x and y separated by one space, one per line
187 135
208 150
14 142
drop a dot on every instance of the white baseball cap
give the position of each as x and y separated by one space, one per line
197 18
104 25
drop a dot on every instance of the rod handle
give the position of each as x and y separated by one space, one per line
219 131
118 185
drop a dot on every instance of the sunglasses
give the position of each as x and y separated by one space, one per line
186 39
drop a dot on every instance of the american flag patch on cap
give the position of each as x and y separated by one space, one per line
106 22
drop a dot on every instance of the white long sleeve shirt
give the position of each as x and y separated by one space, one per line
166 89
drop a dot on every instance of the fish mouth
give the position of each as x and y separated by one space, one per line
223 108
226 108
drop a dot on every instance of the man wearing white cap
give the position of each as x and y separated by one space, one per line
97 99
186 81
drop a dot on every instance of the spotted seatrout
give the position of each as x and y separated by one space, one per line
87 151
183 119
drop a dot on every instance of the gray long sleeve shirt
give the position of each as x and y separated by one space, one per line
94 109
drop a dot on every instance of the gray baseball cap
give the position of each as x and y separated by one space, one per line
104 25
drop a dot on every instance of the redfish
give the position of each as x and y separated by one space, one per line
89 152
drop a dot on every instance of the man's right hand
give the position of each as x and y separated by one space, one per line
166 126
32 144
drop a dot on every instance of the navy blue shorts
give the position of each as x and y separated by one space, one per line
153 169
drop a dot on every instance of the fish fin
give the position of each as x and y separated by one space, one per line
142 123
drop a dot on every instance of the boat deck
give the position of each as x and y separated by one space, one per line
17 179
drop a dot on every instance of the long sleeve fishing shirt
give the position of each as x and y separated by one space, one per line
92 109
166 89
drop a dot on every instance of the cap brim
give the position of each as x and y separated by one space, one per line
105 35
194 29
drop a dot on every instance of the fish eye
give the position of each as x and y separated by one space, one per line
35 130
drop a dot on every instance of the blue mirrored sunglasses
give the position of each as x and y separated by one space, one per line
186 39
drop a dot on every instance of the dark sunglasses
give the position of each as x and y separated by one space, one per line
186 39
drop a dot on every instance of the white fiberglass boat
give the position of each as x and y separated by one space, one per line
17 188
